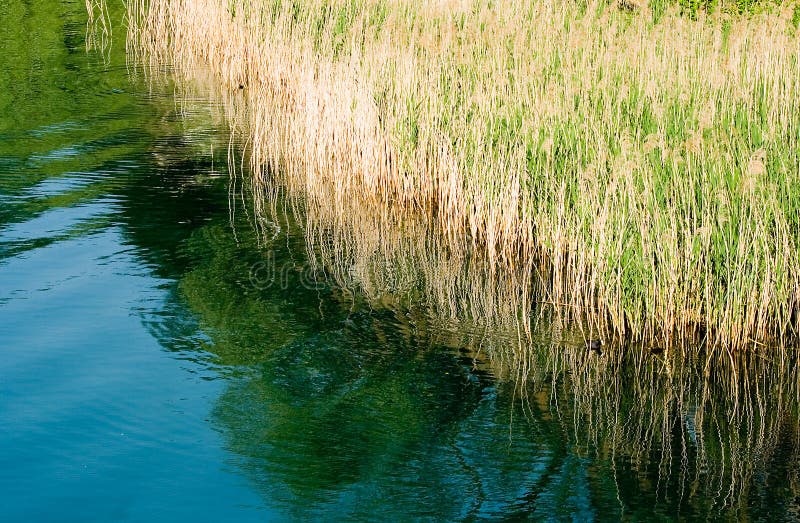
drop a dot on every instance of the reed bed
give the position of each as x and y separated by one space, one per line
639 166
708 434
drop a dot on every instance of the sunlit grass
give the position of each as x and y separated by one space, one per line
640 163
701 430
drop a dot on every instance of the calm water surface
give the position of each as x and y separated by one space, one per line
148 372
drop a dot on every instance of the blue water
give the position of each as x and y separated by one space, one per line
99 421
148 373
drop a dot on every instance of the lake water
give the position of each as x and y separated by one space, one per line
160 361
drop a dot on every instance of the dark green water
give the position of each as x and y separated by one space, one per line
148 373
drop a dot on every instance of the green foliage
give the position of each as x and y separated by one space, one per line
693 7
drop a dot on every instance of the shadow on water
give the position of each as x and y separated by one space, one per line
355 380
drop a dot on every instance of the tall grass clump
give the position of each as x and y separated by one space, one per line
638 163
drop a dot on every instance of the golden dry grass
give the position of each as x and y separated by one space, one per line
702 429
641 168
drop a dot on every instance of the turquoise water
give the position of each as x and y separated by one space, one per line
149 371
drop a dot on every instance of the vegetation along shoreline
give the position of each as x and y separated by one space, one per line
636 162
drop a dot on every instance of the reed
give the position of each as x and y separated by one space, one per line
638 166
706 434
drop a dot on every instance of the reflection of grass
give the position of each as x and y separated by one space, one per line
697 430
645 161
707 440
626 433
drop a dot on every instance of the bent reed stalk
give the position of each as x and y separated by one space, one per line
640 167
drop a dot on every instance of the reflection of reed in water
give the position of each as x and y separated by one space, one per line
706 437
396 257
